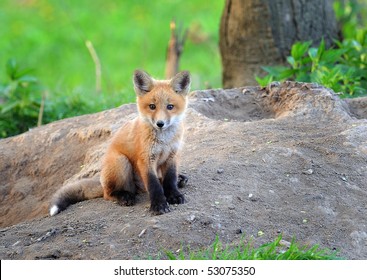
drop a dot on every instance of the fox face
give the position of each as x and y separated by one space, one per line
161 103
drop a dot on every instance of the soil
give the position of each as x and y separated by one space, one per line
288 159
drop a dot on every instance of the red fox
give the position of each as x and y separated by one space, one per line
143 154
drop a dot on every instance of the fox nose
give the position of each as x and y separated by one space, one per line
160 124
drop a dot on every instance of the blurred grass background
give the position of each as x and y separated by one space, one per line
47 72
49 36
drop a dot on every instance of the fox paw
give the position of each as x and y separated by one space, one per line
126 199
159 208
182 181
177 198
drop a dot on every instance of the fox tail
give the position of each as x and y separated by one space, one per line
72 193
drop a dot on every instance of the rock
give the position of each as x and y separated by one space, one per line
16 243
252 197
47 235
285 243
308 171
142 232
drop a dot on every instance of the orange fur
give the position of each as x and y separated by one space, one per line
144 153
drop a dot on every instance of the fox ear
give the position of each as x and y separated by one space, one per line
181 82
143 83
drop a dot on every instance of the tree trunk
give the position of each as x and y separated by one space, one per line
255 33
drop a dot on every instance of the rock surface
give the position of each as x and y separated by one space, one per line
288 159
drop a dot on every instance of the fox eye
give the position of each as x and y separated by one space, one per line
152 106
170 106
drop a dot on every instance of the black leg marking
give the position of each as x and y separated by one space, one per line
170 187
158 202
182 181
124 197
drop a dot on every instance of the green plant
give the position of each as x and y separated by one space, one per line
25 103
20 100
351 16
342 68
269 251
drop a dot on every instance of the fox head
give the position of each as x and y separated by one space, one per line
161 103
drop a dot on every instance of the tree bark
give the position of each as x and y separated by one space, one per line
255 33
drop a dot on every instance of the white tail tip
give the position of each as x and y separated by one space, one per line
54 210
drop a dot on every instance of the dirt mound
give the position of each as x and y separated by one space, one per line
290 158
358 107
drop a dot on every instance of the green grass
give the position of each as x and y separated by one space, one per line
274 250
49 36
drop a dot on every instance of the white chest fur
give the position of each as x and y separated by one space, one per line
166 144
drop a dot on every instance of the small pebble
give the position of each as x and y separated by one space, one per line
220 170
142 232
16 243
285 243
308 172
252 197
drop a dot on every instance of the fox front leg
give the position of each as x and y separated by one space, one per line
170 185
158 201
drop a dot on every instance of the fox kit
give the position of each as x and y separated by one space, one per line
143 153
